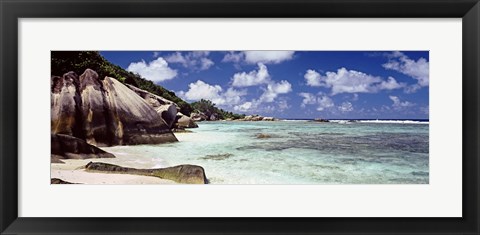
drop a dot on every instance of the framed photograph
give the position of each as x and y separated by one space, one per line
240 117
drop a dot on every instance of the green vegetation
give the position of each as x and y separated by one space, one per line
78 61
208 108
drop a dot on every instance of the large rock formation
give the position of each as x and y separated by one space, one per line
166 108
186 174
65 105
69 147
198 117
183 121
94 109
104 112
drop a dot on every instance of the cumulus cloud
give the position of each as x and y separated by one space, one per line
270 94
313 78
390 84
398 104
243 107
268 57
350 81
196 60
346 107
418 70
283 105
322 101
254 57
156 70
233 57
274 89
253 78
308 98
201 90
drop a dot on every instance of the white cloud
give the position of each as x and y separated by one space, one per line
270 94
233 96
313 78
205 63
283 105
156 70
398 104
243 107
254 57
268 57
233 57
274 89
195 61
308 98
350 81
346 107
324 102
425 110
253 78
390 84
201 90
418 70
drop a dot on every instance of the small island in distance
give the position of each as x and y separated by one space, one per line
119 124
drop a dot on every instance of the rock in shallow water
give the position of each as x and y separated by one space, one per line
217 156
185 174
263 136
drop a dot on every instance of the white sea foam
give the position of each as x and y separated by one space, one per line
394 121
350 121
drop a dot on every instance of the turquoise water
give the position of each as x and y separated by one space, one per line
298 152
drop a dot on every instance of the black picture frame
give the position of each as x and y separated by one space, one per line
12 10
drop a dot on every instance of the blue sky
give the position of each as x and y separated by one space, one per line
293 84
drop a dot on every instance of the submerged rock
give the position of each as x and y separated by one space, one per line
186 174
263 136
217 156
104 112
69 147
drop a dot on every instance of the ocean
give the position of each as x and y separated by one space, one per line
298 152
